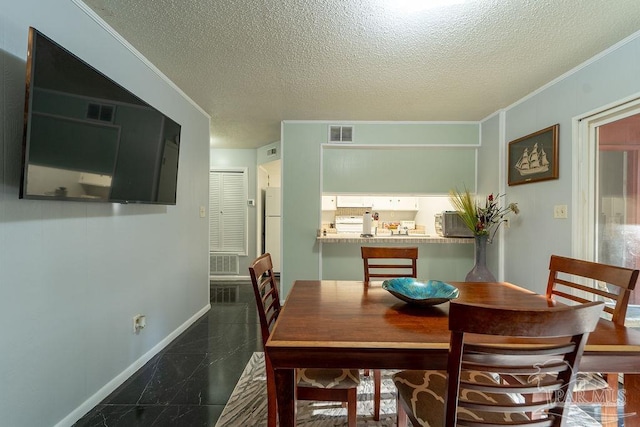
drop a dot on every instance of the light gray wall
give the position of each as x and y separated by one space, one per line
489 181
74 274
242 158
397 170
441 261
612 76
264 157
303 181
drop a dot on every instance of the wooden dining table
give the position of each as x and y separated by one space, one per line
345 324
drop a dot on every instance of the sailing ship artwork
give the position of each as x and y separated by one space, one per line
532 161
534 157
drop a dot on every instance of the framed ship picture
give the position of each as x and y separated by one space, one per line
534 157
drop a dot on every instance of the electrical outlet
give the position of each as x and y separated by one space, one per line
139 322
560 211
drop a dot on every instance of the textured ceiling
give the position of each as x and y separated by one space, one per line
252 63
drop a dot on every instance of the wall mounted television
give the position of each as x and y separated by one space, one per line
86 138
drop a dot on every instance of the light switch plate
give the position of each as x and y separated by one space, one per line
560 211
203 212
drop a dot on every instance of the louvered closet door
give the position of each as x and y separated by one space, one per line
228 212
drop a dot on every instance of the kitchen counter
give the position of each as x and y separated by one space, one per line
396 239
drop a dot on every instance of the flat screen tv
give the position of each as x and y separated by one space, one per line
86 138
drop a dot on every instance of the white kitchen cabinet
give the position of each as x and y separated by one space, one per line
382 203
378 203
354 201
406 204
329 203
394 203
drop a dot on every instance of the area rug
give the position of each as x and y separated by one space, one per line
247 405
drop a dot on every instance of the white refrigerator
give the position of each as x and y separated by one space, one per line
272 224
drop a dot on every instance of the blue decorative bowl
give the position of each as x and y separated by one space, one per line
410 290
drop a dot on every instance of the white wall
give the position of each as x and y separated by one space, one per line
610 77
73 274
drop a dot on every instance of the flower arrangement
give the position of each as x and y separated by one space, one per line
482 220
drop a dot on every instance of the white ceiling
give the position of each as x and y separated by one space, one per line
253 63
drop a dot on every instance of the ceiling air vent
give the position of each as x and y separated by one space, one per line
340 133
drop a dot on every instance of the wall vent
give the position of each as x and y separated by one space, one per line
340 133
223 264
272 152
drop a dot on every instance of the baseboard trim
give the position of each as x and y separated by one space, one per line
116 382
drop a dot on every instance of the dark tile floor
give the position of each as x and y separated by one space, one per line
189 382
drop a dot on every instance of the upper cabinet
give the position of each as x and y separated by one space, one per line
406 204
354 201
377 203
329 203
394 203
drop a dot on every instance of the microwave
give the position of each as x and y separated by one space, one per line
449 224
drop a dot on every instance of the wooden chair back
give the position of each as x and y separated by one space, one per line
309 382
553 341
265 289
389 262
611 283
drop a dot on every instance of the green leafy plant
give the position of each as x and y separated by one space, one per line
483 220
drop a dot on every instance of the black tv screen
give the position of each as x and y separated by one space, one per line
86 138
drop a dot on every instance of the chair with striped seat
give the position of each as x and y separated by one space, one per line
332 385
471 392
577 281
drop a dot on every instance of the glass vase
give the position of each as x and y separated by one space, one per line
480 272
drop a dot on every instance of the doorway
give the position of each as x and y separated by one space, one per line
608 180
618 222
269 175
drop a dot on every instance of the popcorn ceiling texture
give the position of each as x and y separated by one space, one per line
251 64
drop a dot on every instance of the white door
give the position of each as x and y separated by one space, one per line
228 212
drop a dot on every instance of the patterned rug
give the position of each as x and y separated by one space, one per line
247 405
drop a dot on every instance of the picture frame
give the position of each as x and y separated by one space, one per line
534 157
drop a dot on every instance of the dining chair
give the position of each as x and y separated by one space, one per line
388 262
578 281
470 392
332 385
385 263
